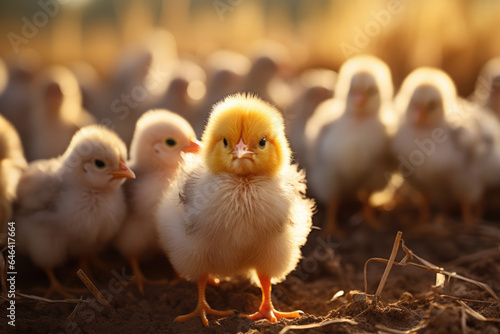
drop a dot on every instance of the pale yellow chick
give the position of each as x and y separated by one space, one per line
160 139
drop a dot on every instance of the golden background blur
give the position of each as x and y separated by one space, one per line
458 36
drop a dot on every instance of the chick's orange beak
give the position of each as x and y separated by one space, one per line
194 146
241 150
123 172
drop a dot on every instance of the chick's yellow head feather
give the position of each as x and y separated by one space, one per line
245 136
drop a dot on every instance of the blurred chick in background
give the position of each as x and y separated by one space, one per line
436 146
226 71
15 105
487 92
240 208
72 205
90 84
12 165
57 115
270 64
155 153
348 139
184 90
316 86
129 93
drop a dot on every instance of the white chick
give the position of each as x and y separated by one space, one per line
436 147
72 205
12 164
240 208
349 141
155 154
57 115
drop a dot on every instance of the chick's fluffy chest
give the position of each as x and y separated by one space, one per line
234 217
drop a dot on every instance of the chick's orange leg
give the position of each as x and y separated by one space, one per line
266 309
330 226
139 278
368 212
58 287
202 309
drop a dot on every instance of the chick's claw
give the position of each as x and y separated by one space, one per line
202 310
270 313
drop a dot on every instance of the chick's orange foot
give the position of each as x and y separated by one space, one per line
202 310
139 279
266 309
270 313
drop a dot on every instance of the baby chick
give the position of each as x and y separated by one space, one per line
12 164
240 208
155 153
72 205
436 149
316 86
348 138
226 72
58 114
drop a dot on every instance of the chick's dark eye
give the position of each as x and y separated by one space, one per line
99 163
262 142
170 142
224 141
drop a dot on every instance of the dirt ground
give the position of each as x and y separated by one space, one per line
407 304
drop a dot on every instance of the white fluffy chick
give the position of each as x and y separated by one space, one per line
72 205
12 164
436 147
240 208
156 151
57 115
349 141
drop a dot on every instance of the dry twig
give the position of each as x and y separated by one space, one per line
317 325
92 288
395 248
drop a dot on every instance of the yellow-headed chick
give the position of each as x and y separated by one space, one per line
12 164
240 207
159 139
